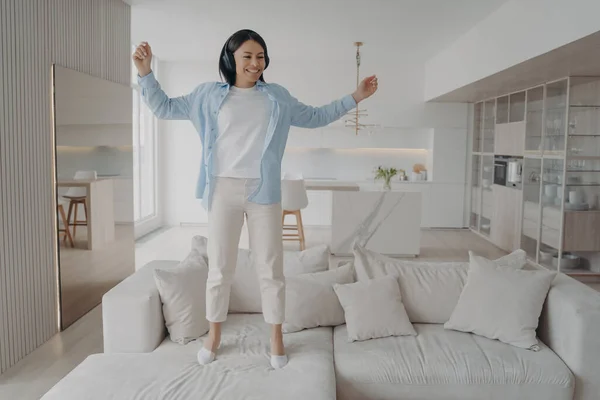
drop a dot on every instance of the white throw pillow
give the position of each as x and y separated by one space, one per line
310 300
373 309
501 303
245 290
182 291
430 290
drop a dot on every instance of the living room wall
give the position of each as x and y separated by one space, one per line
90 36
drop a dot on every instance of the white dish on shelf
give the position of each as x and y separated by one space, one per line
485 226
547 255
569 261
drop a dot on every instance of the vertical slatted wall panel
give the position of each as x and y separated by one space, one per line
90 36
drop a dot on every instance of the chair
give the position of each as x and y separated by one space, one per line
63 220
293 200
77 196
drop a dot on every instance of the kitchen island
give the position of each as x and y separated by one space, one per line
387 222
442 203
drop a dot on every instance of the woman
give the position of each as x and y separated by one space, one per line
243 125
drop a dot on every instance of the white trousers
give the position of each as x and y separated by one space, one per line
226 218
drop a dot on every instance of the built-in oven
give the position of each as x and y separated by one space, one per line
508 171
500 171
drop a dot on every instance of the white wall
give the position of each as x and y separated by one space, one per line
41 33
517 31
330 152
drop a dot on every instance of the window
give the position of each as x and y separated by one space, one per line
144 152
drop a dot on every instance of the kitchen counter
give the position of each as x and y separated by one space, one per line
331 185
364 185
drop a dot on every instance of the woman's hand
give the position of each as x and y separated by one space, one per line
142 58
365 89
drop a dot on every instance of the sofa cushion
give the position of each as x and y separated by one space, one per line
430 290
245 289
373 309
501 303
183 295
446 365
310 300
240 371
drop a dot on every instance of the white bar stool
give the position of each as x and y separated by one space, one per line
293 200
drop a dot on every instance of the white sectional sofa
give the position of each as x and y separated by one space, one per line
140 362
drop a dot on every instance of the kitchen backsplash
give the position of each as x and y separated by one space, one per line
350 164
113 161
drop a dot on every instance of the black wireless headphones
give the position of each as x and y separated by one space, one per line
228 60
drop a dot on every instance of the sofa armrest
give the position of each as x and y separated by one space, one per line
570 326
132 314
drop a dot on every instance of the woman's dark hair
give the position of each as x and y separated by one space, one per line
227 61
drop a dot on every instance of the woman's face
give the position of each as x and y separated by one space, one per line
249 63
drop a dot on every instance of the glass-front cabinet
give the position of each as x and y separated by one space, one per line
559 149
530 229
475 192
560 227
517 107
534 121
482 167
478 128
489 124
555 121
487 201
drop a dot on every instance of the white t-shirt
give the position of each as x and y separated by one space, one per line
243 121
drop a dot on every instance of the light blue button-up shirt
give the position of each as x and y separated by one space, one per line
202 106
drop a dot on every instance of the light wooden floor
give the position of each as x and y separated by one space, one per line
40 370
85 275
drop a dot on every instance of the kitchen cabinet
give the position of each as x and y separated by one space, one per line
510 125
555 217
475 192
561 222
510 139
489 124
123 200
534 121
506 219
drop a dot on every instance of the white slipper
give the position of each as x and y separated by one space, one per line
279 361
205 356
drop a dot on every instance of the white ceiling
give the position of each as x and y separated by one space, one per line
320 30
578 58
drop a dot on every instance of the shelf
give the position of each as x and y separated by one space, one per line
579 272
583 158
582 135
558 155
572 184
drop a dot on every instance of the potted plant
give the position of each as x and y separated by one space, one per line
386 174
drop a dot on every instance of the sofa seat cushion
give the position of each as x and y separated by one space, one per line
241 370
446 365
